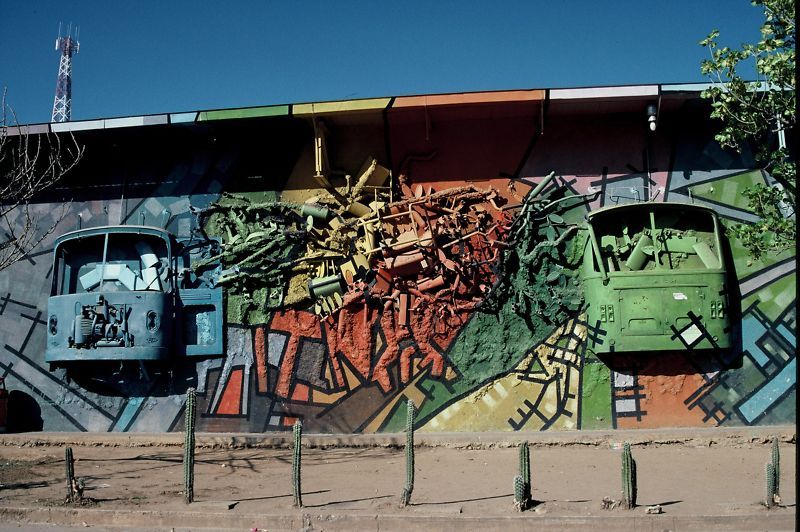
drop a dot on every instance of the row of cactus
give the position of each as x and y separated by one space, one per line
188 446
296 488
522 482
405 498
774 476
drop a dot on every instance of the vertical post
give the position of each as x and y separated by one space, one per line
409 487
296 457
770 485
628 477
776 465
70 474
519 493
525 471
188 447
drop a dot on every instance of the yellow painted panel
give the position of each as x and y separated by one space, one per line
304 109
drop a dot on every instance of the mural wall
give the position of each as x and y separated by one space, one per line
376 251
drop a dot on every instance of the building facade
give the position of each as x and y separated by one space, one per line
401 257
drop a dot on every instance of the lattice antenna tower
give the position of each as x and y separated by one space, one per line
62 105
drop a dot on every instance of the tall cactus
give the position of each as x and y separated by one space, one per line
188 446
523 500
409 487
776 466
296 456
628 477
519 493
70 474
770 485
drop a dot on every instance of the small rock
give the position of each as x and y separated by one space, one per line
657 509
609 503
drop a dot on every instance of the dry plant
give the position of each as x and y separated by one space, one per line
29 165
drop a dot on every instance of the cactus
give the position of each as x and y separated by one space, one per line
519 493
409 487
188 447
70 474
296 456
770 485
525 474
776 465
628 477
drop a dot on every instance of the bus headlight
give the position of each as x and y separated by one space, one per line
152 321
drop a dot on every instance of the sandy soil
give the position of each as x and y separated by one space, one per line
684 480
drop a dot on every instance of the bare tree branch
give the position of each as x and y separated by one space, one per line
29 165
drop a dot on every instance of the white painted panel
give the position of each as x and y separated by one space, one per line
604 92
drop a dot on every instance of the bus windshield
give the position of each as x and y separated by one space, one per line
111 262
646 237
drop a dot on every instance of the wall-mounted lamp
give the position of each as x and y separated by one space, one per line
652 111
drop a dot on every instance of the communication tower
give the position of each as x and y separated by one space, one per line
62 105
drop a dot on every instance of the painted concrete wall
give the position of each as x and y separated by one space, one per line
470 369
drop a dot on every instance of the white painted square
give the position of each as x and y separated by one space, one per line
625 405
691 334
622 380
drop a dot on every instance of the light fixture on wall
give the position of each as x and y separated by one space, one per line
652 112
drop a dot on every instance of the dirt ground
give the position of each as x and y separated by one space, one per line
569 481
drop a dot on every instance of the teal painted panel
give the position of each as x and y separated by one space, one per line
767 395
180 118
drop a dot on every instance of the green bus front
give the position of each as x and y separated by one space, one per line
654 279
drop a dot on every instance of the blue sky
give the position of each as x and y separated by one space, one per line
152 57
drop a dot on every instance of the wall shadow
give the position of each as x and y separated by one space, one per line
24 413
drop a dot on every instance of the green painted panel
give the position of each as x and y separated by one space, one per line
338 107
774 297
396 421
251 112
728 191
744 263
595 395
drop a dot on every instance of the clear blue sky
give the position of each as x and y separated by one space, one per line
149 57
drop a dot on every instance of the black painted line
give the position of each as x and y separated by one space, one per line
59 382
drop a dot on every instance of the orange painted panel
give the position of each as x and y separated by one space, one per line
261 358
231 402
468 98
666 384
301 392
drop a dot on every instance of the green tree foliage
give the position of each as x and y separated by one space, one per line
758 113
